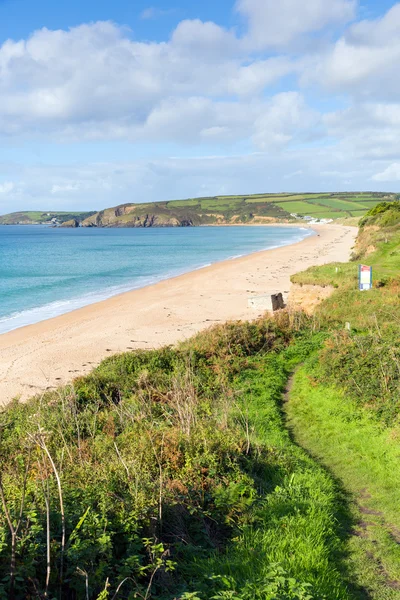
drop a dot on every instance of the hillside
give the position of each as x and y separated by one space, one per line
38 217
259 208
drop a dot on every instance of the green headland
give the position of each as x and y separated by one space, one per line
246 209
42 217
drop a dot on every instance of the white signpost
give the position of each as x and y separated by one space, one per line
364 278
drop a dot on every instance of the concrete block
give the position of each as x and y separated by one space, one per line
271 302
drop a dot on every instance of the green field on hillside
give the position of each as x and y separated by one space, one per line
327 205
222 210
36 217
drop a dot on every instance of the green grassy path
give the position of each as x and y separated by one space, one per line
301 522
364 457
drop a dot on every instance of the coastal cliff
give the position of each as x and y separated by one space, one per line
235 210
128 215
189 213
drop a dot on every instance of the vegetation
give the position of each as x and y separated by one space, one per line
258 208
202 471
364 456
345 400
38 217
152 474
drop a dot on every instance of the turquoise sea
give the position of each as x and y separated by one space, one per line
45 272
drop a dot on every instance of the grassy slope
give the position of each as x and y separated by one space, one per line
245 209
364 456
345 403
226 209
299 523
33 217
246 513
378 246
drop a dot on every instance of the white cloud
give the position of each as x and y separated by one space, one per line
366 129
121 86
285 117
204 40
364 61
253 78
277 24
65 188
391 173
7 187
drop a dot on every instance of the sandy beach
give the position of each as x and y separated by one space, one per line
51 353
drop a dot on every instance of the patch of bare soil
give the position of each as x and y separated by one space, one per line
308 297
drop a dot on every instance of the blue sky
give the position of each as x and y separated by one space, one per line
109 102
62 15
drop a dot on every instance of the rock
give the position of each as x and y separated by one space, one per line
115 218
269 302
277 302
72 223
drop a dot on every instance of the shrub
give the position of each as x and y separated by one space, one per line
140 452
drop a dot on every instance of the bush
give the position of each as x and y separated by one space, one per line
384 214
131 467
367 366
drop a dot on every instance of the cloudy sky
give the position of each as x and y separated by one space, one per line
108 102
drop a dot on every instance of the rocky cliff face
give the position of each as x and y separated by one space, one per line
71 223
134 216
187 213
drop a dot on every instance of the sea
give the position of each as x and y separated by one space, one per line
45 272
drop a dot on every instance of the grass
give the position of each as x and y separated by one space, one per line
363 198
364 456
334 215
338 203
386 258
366 311
325 206
344 404
369 202
357 213
303 208
221 205
263 199
184 203
297 523
173 452
334 274
179 453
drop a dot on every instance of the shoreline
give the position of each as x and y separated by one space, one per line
47 312
51 353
